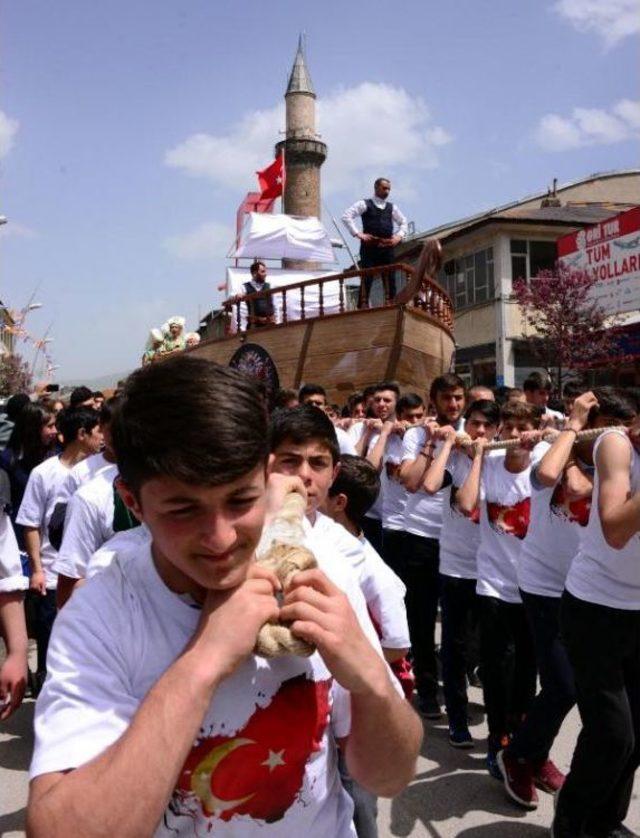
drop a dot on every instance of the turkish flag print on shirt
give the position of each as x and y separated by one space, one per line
271 179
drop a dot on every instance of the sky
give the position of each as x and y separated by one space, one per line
131 130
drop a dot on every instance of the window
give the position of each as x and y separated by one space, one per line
528 258
469 279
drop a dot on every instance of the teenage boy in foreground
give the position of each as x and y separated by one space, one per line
157 717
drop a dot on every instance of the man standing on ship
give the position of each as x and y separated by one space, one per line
261 312
377 239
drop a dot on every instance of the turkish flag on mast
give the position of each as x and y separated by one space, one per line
271 179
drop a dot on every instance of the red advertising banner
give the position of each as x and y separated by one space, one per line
611 250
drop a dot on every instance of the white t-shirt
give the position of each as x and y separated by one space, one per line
11 575
121 544
39 501
264 762
81 473
422 512
384 594
504 519
345 443
88 524
394 495
460 535
326 535
553 535
602 574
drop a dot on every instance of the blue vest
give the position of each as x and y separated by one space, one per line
263 306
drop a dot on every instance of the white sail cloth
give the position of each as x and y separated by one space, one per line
278 236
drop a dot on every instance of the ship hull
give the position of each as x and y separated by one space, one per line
348 351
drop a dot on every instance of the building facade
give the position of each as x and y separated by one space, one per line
484 254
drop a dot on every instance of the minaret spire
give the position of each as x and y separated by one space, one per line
299 79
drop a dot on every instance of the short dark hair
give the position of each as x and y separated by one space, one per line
253 267
368 391
360 482
537 381
98 394
191 419
632 394
387 385
283 396
72 420
16 404
521 412
302 424
613 402
410 401
380 180
573 389
449 381
311 390
353 400
487 407
79 395
107 408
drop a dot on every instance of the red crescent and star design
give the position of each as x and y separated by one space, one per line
510 520
574 511
260 770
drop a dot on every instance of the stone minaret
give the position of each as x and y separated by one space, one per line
304 152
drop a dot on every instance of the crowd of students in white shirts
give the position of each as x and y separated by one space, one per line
530 554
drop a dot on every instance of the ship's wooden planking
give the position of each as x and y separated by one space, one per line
346 352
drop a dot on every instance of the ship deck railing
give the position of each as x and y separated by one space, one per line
342 293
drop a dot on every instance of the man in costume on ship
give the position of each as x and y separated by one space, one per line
377 239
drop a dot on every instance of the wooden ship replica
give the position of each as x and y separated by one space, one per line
325 330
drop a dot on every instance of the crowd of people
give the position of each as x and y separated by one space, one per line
168 339
133 529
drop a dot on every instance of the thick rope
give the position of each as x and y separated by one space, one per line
281 550
582 436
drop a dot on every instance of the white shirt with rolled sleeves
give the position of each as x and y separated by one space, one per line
505 500
88 524
599 573
360 207
39 500
275 721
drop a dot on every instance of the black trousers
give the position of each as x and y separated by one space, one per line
508 665
44 613
394 551
372 529
460 614
377 257
604 648
557 695
422 579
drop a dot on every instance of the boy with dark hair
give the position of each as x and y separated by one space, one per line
81 397
561 486
314 394
351 495
537 391
500 485
80 437
422 524
164 675
459 542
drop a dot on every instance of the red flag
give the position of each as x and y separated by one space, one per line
252 203
271 179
